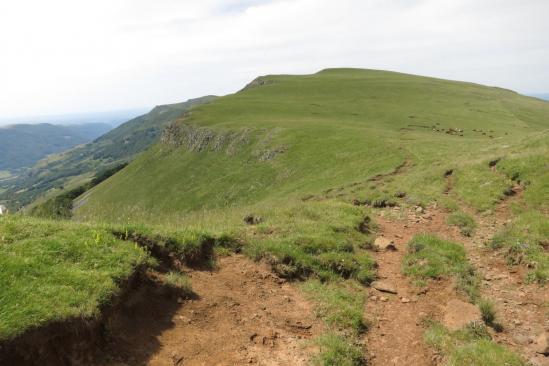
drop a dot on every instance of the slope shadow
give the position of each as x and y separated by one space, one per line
132 333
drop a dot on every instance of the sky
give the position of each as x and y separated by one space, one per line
80 56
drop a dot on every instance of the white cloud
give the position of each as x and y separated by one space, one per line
62 56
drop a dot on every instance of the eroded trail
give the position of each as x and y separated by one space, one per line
242 315
397 335
521 307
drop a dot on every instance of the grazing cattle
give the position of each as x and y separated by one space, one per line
3 210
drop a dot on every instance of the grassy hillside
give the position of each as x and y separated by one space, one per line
23 145
74 167
284 138
53 271
292 168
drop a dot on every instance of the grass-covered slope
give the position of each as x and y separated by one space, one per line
76 166
54 271
286 138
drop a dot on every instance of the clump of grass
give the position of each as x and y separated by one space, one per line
488 312
526 240
432 258
465 222
479 187
318 239
336 350
470 346
180 282
340 305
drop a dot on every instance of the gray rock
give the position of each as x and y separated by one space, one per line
384 287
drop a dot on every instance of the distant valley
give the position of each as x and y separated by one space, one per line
23 145
74 160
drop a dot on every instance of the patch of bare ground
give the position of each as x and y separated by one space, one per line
521 307
396 337
241 314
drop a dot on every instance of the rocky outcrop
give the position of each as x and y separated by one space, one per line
198 139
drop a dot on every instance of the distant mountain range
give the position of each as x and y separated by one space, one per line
80 163
25 144
113 118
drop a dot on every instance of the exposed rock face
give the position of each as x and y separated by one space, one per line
197 139
459 314
259 81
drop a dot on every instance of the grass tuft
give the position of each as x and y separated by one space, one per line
470 346
340 305
336 350
466 223
527 242
432 258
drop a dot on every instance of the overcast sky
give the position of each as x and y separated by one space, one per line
71 56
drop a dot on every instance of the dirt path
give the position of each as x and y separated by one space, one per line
521 307
397 335
242 315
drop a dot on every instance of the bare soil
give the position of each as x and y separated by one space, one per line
241 314
397 335
522 308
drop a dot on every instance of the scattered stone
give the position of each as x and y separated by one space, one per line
385 244
252 219
405 300
419 209
184 319
521 339
298 324
384 287
459 314
542 343
384 299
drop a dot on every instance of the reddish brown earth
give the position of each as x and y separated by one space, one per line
397 335
242 315
522 308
